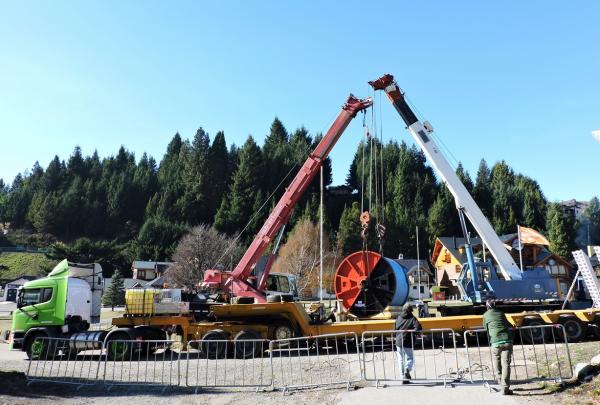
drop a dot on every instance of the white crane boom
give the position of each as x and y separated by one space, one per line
421 133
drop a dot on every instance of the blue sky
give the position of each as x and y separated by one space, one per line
518 81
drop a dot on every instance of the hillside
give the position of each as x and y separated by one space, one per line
14 265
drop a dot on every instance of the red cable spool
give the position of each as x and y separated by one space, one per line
352 274
368 283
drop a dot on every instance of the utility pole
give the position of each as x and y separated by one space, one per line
520 247
418 266
321 243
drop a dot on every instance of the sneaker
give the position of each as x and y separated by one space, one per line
507 391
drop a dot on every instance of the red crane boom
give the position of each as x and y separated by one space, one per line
237 281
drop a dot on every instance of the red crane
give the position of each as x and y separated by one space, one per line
237 281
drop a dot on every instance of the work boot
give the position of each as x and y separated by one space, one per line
407 377
506 391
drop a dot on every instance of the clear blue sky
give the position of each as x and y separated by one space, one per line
518 80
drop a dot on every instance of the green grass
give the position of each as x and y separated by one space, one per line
15 265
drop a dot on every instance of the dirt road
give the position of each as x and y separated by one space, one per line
14 390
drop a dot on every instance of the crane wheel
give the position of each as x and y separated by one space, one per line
533 335
248 345
214 344
574 328
594 327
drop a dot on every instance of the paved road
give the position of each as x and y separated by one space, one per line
421 395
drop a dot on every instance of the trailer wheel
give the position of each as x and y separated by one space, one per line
574 328
247 344
119 346
533 335
214 344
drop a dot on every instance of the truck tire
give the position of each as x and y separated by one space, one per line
36 348
574 328
44 349
533 335
247 344
119 346
213 344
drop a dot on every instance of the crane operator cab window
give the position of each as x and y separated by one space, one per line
33 296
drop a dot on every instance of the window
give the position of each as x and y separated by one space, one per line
30 297
33 296
46 295
278 283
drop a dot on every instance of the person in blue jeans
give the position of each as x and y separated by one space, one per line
405 341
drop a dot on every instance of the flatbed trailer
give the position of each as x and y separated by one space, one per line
283 320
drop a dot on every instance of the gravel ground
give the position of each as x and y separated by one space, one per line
290 366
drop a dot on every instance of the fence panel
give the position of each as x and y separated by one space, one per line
149 363
315 361
540 353
434 356
228 364
65 361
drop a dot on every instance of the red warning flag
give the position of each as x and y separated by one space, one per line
531 236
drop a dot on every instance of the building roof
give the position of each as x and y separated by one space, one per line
409 264
452 244
147 265
12 281
158 282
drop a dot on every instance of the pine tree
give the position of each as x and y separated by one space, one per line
197 181
482 192
115 293
237 209
348 235
217 173
276 155
464 177
588 226
560 229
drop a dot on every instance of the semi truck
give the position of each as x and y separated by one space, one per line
65 303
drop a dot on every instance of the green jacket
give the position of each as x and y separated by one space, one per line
497 326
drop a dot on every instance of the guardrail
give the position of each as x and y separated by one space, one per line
315 361
64 361
148 363
546 359
421 357
241 363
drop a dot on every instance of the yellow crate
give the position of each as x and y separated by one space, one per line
141 301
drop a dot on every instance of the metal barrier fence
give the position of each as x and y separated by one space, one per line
148 363
315 361
223 363
427 356
65 361
540 353
318 361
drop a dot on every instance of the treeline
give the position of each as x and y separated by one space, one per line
119 208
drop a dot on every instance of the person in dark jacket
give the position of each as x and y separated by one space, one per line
500 337
405 340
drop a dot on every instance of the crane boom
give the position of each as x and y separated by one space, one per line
237 281
464 201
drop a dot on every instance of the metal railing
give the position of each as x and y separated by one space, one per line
64 361
315 361
148 363
546 358
422 357
213 364
303 362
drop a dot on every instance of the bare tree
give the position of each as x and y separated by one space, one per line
201 249
300 257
